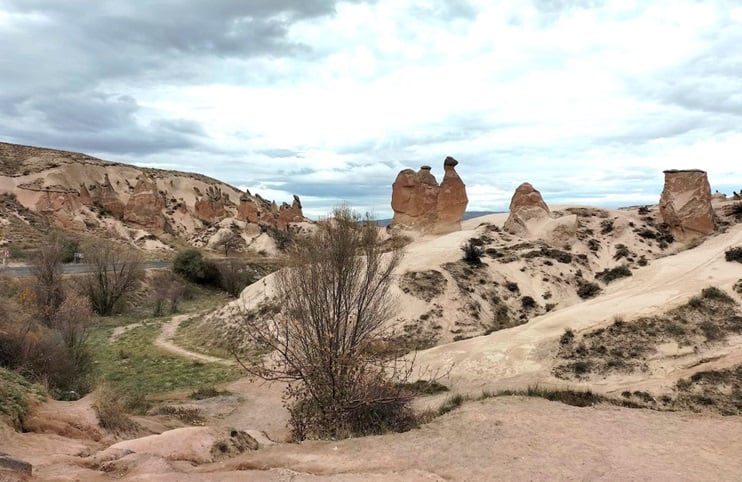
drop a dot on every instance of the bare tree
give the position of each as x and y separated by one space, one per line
234 276
229 241
168 288
117 272
335 298
47 283
72 320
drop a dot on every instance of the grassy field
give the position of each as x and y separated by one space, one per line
15 395
134 367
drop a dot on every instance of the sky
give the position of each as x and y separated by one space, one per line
587 100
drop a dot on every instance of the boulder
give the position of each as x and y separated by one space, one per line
421 204
685 204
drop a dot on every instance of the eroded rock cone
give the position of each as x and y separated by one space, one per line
452 199
420 203
526 205
685 205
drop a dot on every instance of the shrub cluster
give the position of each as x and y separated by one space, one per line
587 289
734 254
615 273
473 252
230 275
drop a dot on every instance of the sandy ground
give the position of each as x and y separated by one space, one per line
506 438
516 357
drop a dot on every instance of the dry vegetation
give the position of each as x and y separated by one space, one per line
625 346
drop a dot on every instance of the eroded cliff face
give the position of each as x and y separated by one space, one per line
421 204
685 204
81 193
145 205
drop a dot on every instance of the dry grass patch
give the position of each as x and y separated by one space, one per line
624 347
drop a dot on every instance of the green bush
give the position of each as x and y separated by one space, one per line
190 264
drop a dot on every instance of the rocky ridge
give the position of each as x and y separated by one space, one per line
88 195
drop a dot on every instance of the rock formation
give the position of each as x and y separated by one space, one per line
145 205
685 204
719 196
290 214
257 210
104 196
452 199
420 203
211 207
530 217
526 205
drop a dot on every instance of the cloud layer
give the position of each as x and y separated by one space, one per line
587 100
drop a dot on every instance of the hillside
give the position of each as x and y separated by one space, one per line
154 209
669 365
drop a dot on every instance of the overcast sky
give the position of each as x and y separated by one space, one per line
588 100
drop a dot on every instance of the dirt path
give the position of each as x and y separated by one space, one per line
164 341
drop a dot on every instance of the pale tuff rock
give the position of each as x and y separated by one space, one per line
421 204
685 205
530 217
145 205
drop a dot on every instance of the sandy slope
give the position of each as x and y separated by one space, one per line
518 356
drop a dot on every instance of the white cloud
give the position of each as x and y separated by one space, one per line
594 100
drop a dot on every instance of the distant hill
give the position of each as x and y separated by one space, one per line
154 209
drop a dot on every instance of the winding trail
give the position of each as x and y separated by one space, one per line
164 341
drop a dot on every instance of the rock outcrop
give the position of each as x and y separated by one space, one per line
105 197
211 207
685 204
421 204
257 210
288 214
530 217
526 205
98 197
145 205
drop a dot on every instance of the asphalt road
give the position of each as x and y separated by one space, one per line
21 271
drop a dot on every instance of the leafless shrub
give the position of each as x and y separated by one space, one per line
230 241
234 276
168 290
47 280
335 297
116 273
